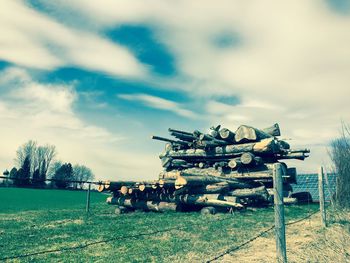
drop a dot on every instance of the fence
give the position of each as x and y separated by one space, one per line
309 183
305 183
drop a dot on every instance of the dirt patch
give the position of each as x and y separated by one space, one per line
307 241
64 222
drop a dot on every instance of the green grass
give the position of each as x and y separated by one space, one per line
23 199
50 219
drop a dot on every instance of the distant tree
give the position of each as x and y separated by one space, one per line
44 156
13 172
40 159
18 179
62 175
82 173
53 168
26 150
25 172
5 181
36 178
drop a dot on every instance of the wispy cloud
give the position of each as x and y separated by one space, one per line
159 103
32 39
45 112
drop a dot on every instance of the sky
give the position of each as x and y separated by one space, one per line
98 78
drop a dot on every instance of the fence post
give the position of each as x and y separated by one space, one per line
88 199
280 230
321 196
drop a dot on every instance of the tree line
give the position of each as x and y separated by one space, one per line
34 164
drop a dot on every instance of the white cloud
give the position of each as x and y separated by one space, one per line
31 39
44 112
292 64
159 103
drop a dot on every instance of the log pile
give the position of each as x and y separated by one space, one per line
223 169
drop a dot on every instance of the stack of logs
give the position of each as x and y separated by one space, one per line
222 169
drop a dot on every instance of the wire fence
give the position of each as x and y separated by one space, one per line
151 233
307 183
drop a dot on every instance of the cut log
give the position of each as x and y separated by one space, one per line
207 200
182 181
182 136
166 183
121 210
227 135
169 175
234 163
200 172
251 159
266 146
297 156
246 133
274 130
101 188
202 180
178 131
145 205
247 158
209 189
169 140
201 165
124 190
209 210
133 190
145 187
116 185
259 192
208 137
290 200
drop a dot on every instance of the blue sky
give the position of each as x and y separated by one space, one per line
98 78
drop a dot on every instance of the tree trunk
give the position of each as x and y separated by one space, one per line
246 133
259 192
182 181
207 200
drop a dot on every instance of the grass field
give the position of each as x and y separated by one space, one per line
37 220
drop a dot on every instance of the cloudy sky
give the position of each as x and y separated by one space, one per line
97 78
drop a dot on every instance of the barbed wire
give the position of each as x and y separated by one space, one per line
88 244
104 241
232 249
52 180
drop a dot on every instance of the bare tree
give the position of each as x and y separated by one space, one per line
40 158
53 168
340 155
26 150
45 154
82 173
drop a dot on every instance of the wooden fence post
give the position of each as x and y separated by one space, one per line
321 196
88 199
280 230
